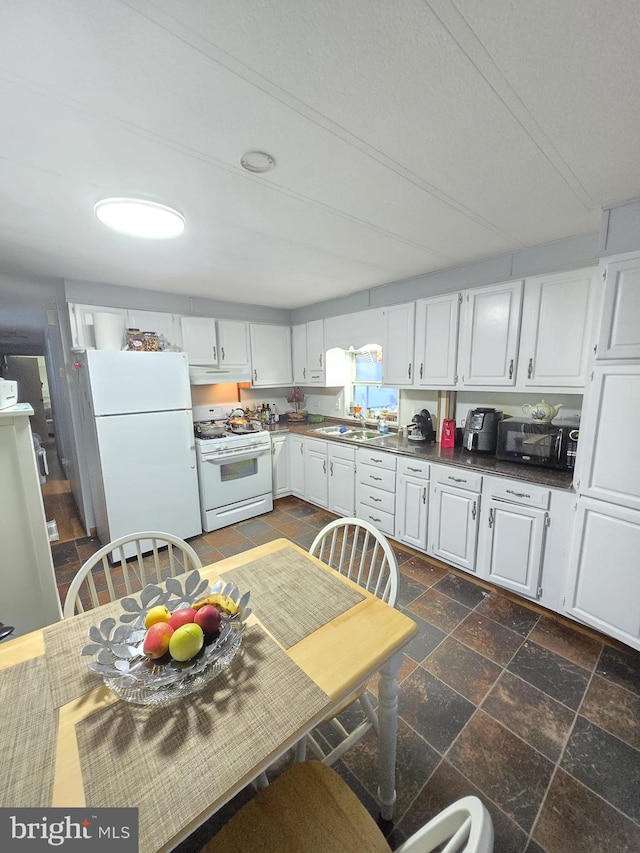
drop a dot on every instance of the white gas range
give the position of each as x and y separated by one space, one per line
234 467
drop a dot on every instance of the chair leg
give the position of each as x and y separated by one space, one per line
301 749
261 781
369 710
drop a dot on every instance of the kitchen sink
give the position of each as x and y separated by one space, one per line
334 430
347 433
361 435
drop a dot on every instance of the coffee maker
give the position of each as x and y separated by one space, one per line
422 427
481 430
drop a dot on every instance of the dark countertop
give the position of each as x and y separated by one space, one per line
456 456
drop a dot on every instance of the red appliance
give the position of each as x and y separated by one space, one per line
448 437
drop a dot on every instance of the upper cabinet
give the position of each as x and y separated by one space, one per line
620 327
436 339
270 355
307 346
219 343
166 326
83 330
555 339
489 332
397 345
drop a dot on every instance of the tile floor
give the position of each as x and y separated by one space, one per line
538 718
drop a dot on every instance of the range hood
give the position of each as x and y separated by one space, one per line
204 375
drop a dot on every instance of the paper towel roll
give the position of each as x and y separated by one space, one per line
108 330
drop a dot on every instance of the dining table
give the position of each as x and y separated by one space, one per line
312 639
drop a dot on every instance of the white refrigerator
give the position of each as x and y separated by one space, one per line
140 443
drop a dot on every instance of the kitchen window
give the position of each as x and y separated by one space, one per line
366 390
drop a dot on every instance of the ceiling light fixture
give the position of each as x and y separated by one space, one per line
257 161
140 218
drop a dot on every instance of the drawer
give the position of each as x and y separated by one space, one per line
457 477
414 467
384 521
315 444
377 459
521 493
339 451
376 498
379 478
316 377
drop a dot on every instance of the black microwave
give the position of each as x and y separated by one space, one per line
551 445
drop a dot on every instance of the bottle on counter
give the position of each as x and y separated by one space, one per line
383 426
276 414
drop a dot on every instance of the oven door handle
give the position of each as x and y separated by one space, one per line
223 456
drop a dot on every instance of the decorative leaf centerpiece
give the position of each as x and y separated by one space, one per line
133 675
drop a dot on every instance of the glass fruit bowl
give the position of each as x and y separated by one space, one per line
134 677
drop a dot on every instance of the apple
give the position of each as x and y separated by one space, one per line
157 640
156 614
186 641
208 618
182 617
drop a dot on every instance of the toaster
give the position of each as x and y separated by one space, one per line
8 393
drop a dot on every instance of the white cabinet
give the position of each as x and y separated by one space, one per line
299 353
620 325
280 464
316 469
166 326
489 334
436 341
454 517
397 345
512 537
296 465
270 355
608 464
342 479
81 320
200 340
603 588
233 344
376 488
307 347
555 338
412 508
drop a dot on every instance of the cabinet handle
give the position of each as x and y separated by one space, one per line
517 494
424 495
375 459
377 500
530 369
215 357
222 352
331 468
456 479
302 449
255 375
304 372
511 369
409 371
371 477
491 517
474 511
373 518
324 466
421 366
320 359
417 470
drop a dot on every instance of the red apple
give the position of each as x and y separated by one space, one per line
182 617
208 618
156 641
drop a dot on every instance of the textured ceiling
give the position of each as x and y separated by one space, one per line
409 136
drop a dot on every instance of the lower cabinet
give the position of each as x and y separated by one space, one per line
412 502
342 479
455 513
328 475
296 465
603 585
280 465
376 489
512 537
316 483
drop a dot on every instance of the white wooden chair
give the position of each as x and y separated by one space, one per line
136 573
356 549
310 809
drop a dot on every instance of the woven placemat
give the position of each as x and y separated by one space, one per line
67 669
291 596
28 732
173 762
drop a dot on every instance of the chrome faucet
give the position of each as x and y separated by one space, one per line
363 421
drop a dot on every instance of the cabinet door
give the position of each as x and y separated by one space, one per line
603 587
412 511
342 485
397 345
557 318
199 340
316 476
620 325
489 334
166 325
233 343
82 327
512 546
296 465
280 466
454 529
299 353
437 341
315 345
608 461
270 354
